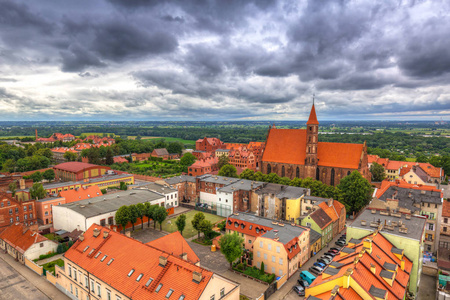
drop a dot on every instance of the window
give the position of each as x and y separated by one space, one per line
273 270
25 217
131 272
222 292
10 211
445 229
181 297
86 282
110 261
446 220
24 208
96 255
265 256
17 210
103 258
71 289
258 254
273 258
278 249
31 216
17 218
92 285
212 297
158 287
70 271
79 275
281 261
269 246
75 274
148 282
118 298
108 294
11 220
280 272
99 290
430 226
76 292
249 241
9 203
139 277
169 293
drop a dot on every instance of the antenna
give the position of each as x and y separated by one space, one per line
313 97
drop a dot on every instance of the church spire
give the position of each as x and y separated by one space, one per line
312 116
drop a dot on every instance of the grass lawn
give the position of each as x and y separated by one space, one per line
189 231
51 265
169 139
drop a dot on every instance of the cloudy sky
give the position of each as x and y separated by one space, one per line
224 59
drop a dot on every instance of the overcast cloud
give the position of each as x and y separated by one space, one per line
224 60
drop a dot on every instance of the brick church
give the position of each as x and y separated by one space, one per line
298 153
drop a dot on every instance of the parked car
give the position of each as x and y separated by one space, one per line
316 270
333 251
303 283
326 255
319 264
324 260
332 254
340 243
299 290
305 275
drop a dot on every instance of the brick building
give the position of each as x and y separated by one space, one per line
14 211
186 186
78 171
208 144
161 153
203 166
298 153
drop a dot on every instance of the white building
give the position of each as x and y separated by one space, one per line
100 210
170 194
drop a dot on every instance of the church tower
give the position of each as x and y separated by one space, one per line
312 138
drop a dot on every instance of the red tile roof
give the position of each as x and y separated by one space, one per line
119 160
130 254
176 245
372 158
246 230
386 184
81 193
446 208
63 150
289 146
312 117
329 211
20 238
75 166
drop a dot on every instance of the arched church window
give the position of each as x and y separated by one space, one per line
297 172
282 171
348 173
317 174
332 177
269 169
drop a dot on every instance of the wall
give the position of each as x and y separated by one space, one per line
50 278
36 250
215 284
224 204
33 266
46 206
67 219
293 207
270 265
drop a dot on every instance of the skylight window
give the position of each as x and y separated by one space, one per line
103 258
131 272
85 248
92 251
98 253
110 261
181 297
169 293
139 277
149 282
159 287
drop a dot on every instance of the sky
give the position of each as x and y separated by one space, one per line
224 60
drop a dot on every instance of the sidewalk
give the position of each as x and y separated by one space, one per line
39 282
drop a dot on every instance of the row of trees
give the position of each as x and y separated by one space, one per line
130 214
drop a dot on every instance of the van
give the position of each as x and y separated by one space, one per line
305 275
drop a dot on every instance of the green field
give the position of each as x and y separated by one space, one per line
14 136
170 139
50 266
189 231
410 159
99 134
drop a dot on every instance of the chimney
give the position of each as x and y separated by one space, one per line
184 256
105 234
367 243
335 290
22 184
36 133
196 277
128 233
81 237
162 261
96 232
347 276
402 264
373 268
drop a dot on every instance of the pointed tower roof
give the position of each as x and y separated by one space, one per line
312 117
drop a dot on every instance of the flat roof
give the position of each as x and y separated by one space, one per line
158 188
179 179
415 224
218 179
283 191
111 202
241 185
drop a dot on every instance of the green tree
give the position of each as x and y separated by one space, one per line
159 215
356 191
37 191
421 158
45 152
141 213
205 226
223 161
198 218
49 175
175 147
187 159
231 246
36 176
247 174
109 159
9 166
228 171
70 156
262 270
123 186
378 172
149 209
134 214
181 223
123 216
12 187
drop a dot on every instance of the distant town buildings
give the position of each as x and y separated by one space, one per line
78 171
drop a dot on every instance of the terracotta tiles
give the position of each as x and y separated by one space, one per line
176 245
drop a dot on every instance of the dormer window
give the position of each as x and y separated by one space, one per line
257 230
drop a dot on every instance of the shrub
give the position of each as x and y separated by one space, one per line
222 225
240 267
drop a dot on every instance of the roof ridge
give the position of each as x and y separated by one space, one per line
385 284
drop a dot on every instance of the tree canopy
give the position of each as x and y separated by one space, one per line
228 171
122 216
181 223
159 215
356 192
188 159
37 191
378 172
231 246
198 218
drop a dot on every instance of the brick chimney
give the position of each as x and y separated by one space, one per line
22 184
373 268
162 261
347 275
335 290
367 243
105 234
96 232
196 277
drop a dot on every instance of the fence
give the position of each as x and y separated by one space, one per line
30 264
271 289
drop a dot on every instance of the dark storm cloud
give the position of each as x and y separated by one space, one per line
264 57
